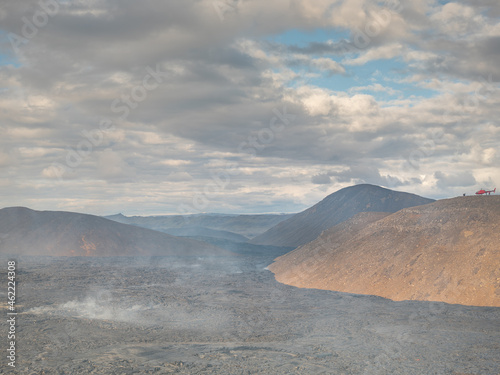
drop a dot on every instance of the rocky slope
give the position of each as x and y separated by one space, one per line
444 251
27 232
334 209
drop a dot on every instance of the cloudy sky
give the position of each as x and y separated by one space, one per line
244 106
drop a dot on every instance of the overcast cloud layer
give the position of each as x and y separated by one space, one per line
150 107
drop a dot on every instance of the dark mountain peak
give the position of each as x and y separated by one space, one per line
116 216
363 187
367 189
334 209
16 209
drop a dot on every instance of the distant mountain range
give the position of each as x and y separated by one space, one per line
63 233
230 227
28 232
334 209
447 251
205 232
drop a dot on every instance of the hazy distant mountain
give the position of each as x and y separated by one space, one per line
244 225
205 232
334 209
245 248
24 231
444 251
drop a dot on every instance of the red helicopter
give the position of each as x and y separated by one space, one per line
482 191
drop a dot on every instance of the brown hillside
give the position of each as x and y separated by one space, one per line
446 251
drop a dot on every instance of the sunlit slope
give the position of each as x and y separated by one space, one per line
24 231
444 251
334 209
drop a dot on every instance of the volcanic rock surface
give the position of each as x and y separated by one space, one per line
168 315
27 232
334 209
445 251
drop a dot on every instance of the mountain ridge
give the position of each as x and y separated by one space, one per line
61 233
335 208
241 225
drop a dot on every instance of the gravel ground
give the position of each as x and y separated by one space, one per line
228 316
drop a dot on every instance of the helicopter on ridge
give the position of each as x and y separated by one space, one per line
483 191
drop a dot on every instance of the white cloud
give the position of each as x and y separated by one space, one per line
317 101
328 65
175 163
456 19
376 87
377 53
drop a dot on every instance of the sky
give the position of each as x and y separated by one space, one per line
244 106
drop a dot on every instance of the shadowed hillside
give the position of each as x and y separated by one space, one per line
334 209
28 232
444 251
